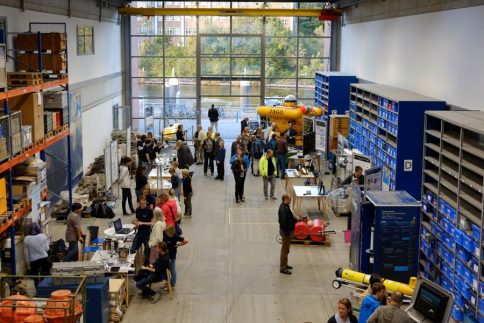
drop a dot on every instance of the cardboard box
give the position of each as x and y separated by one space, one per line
333 143
32 112
3 195
339 123
50 62
50 41
55 99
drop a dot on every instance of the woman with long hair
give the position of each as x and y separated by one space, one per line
125 183
345 313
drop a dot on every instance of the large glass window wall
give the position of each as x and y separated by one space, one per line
180 65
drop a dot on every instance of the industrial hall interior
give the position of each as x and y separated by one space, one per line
236 161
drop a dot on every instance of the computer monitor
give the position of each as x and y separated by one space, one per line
118 225
431 303
309 143
253 125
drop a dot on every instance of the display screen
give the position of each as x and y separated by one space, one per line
431 303
309 143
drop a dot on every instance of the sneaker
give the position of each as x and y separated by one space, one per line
243 199
288 267
238 201
266 198
155 298
285 271
273 198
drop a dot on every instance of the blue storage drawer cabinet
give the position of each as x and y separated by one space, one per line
396 118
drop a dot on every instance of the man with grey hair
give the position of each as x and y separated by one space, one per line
391 313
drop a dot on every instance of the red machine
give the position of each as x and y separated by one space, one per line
316 230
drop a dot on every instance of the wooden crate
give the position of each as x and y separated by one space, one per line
24 78
338 124
50 41
50 62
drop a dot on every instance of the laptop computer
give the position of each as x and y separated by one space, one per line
118 227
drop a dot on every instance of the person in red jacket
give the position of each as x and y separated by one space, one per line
168 206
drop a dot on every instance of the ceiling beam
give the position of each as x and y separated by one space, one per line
265 12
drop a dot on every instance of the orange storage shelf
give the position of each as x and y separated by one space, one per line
17 215
32 88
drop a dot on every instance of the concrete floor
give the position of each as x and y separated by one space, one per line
229 271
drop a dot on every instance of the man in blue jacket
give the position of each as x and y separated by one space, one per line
371 302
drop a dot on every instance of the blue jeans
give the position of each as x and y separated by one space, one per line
144 283
138 240
281 165
172 269
73 252
177 192
148 168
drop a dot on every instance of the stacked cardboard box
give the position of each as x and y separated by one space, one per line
48 122
32 108
50 41
54 62
56 101
338 124
26 134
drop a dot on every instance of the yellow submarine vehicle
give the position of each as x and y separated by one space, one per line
287 112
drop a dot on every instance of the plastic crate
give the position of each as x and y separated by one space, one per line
4 138
476 232
463 254
458 299
457 313
446 283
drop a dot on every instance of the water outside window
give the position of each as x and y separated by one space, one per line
235 60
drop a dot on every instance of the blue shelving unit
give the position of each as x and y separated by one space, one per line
387 124
331 94
331 91
451 252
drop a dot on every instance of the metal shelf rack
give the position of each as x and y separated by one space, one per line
452 208
7 166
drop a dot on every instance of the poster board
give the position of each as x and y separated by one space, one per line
107 167
373 177
149 119
128 142
321 137
114 161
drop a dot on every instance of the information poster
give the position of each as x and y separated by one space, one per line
114 161
373 179
385 179
396 252
107 167
321 137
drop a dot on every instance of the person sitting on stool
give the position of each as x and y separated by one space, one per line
153 273
357 178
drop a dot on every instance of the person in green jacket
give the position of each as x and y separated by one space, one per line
268 171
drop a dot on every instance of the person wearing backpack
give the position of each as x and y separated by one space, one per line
272 143
281 155
257 150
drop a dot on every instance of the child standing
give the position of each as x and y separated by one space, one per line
175 182
187 192
220 159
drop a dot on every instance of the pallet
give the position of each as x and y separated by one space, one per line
307 242
49 135
23 82
39 142
65 127
27 148
24 75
